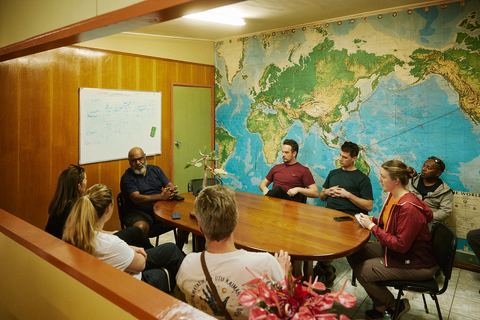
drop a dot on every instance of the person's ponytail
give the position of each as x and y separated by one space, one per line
81 225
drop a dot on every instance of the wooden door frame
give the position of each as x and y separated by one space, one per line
212 99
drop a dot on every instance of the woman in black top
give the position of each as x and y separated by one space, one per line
71 185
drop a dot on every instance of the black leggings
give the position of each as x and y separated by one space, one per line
134 236
278 192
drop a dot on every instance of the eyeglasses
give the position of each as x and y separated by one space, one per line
439 162
141 159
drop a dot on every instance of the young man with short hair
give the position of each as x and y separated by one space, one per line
217 215
348 190
290 178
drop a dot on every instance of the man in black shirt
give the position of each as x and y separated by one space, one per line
348 190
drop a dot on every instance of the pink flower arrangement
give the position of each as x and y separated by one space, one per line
284 299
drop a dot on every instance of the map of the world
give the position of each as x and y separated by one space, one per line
402 85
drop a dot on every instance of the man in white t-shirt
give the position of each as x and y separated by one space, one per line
217 215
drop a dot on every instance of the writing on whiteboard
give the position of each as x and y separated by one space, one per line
113 121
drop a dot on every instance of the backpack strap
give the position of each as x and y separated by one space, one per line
213 288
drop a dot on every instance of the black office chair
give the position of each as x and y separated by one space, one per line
303 199
156 230
445 246
195 184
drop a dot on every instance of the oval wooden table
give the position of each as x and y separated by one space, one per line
269 224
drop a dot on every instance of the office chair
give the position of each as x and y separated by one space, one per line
303 199
445 246
156 230
195 184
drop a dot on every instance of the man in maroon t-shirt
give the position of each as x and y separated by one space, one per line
290 179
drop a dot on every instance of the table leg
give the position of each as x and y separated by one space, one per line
297 268
304 268
199 243
308 270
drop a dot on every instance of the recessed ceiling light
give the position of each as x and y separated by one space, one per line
217 17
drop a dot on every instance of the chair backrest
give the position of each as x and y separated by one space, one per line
303 199
121 209
195 184
445 246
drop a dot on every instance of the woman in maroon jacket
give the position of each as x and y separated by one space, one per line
403 250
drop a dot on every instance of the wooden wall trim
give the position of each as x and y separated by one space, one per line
136 16
139 55
466 266
136 297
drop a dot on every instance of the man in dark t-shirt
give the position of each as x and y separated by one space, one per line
290 179
142 186
346 189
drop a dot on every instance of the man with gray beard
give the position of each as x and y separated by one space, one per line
141 186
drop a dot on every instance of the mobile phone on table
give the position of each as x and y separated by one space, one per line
344 218
175 215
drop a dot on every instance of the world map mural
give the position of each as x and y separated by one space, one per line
402 85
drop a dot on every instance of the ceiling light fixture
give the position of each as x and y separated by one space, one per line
217 17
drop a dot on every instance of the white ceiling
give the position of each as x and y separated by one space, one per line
274 15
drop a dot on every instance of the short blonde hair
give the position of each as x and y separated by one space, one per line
216 211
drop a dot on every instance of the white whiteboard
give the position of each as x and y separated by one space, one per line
114 121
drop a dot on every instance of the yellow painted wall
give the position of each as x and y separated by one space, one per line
32 288
23 19
195 51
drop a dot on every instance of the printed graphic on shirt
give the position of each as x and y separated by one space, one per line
203 298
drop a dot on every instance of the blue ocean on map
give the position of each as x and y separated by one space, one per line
391 124
404 118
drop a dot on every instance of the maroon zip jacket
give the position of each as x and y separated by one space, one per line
406 236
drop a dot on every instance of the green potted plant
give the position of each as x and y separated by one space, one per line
204 159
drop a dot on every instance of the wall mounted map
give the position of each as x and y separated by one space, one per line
402 85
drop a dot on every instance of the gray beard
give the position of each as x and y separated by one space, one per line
141 171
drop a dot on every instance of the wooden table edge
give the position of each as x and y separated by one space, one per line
298 257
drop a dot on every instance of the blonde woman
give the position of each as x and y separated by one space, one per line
71 185
404 250
83 230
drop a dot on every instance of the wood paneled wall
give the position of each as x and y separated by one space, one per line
39 119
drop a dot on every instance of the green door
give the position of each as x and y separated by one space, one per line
192 131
